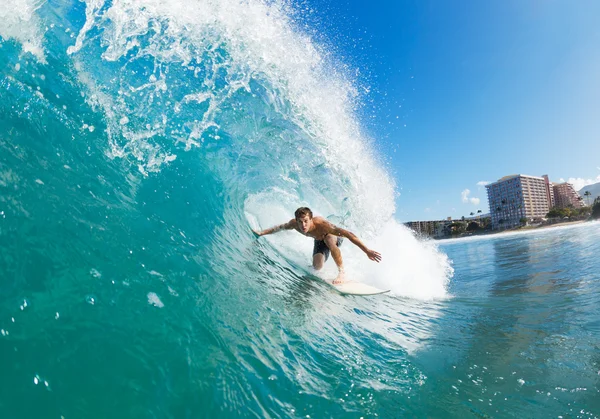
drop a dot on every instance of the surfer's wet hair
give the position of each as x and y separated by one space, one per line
302 211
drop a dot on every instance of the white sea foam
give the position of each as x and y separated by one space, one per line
18 21
154 300
261 41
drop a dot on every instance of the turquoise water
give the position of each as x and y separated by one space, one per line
140 141
520 337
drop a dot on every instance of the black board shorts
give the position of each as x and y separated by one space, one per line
321 247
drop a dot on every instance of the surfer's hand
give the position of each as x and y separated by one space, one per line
256 233
373 255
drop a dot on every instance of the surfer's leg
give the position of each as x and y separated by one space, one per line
332 243
320 254
318 261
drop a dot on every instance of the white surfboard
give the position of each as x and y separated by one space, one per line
349 287
357 288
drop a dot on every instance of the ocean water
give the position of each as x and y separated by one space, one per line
139 143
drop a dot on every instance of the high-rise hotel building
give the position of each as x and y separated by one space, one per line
565 195
519 196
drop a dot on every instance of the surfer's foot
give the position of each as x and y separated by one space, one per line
339 280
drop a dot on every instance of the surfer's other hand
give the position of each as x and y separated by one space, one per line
373 255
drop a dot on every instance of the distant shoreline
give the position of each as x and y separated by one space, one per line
560 224
516 230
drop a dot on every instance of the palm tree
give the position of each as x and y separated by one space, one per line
587 194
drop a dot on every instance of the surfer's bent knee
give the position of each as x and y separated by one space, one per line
333 241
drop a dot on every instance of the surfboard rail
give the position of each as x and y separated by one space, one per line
357 288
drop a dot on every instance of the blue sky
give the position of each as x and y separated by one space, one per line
470 91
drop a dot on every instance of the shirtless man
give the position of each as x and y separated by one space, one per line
328 237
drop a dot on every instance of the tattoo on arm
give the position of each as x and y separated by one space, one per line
286 226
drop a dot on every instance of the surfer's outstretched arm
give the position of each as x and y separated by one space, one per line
371 254
287 226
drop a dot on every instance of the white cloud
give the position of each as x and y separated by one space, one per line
464 195
579 183
427 209
483 183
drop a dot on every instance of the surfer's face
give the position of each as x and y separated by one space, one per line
304 223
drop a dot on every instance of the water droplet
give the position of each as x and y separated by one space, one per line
36 380
90 300
56 316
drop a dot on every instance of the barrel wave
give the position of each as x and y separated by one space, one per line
140 141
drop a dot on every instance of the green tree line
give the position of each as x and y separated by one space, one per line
568 212
596 209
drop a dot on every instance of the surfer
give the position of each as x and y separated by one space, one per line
328 238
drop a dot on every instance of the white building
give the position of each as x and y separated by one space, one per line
518 197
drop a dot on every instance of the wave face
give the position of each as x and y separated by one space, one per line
139 141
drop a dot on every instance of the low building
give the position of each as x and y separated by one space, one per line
440 229
436 229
